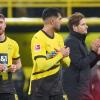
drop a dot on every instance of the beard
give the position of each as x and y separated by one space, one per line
1 31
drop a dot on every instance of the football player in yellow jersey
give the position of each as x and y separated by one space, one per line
9 62
48 53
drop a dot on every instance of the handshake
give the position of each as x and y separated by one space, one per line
95 46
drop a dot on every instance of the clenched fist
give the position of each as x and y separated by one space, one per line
98 52
65 51
95 45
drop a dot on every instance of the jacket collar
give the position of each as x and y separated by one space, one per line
81 37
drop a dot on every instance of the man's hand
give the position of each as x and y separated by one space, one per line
98 52
1 67
13 68
65 51
95 45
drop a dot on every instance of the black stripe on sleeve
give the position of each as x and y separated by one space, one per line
39 56
15 58
46 70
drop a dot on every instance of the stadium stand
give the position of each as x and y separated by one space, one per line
68 4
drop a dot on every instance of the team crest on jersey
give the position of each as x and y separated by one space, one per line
37 47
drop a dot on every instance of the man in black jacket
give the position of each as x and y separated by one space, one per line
76 77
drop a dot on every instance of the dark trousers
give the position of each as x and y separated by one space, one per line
55 97
7 96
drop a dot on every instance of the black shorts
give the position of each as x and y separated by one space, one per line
55 97
7 96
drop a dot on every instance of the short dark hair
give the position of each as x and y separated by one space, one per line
49 12
2 16
74 20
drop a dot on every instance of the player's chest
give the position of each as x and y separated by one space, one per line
6 48
52 45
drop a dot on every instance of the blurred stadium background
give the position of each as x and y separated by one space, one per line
23 19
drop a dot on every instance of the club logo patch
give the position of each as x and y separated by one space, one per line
37 47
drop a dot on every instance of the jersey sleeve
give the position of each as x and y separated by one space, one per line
39 55
16 54
37 48
66 61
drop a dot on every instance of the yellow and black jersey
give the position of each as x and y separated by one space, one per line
46 56
9 50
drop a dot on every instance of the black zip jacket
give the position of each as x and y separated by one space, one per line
76 77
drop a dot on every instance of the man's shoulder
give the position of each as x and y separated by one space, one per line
38 34
71 39
12 41
38 37
57 35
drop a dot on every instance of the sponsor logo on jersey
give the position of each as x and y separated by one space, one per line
3 58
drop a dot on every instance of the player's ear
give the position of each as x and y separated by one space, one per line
75 28
52 21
